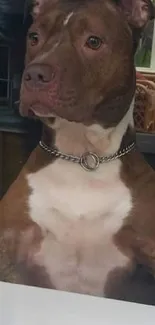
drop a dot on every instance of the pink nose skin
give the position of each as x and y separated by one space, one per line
38 75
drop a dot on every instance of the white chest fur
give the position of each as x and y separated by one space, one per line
79 213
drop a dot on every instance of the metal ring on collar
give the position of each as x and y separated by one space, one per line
90 161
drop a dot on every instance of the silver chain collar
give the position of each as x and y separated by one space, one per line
89 160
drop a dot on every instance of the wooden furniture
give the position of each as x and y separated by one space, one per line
144 113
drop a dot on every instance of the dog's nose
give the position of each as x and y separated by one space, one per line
38 75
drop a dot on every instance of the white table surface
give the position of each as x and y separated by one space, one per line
22 305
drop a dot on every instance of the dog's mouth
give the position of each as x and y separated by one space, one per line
33 114
37 104
36 111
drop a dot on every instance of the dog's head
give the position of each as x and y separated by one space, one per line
80 59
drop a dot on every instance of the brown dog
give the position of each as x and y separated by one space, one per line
81 215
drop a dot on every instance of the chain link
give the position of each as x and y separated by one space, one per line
58 154
55 152
118 154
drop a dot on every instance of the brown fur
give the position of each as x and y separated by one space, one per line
96 87
99 87
19 235
137 237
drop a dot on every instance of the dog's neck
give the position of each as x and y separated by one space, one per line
77 139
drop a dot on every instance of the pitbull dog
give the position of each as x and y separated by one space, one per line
81 215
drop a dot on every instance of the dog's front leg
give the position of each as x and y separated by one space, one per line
136 285
8 267
17 258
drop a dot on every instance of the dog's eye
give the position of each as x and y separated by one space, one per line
34 38
94 42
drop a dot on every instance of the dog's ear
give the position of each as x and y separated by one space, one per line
138 12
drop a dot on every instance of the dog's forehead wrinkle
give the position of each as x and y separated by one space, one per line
77 8
67 18
40 58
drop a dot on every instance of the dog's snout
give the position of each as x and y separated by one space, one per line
38 74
